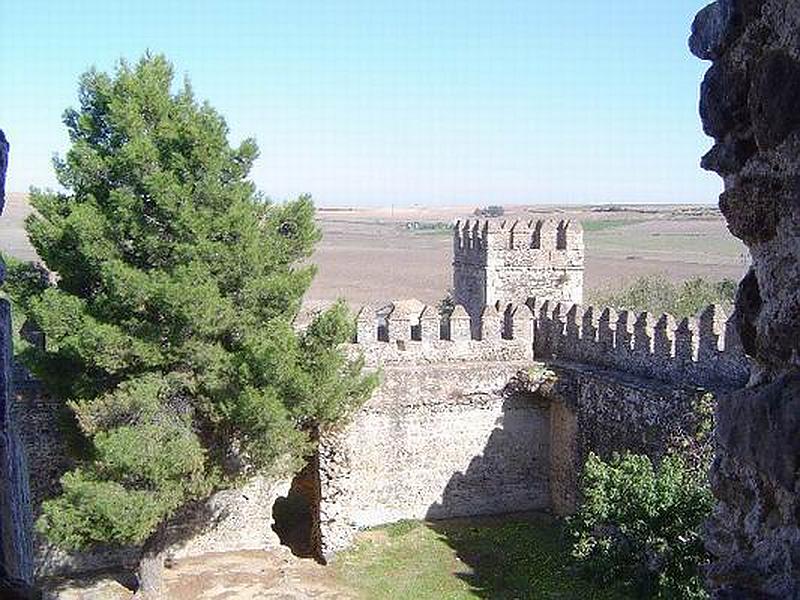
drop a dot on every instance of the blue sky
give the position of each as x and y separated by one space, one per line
374 103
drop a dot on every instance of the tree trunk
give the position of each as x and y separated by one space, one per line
151 568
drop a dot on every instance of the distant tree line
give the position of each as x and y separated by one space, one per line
658 294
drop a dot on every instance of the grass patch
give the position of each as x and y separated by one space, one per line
604 224
454 560
434 232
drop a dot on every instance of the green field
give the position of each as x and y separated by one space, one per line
602 225
526 558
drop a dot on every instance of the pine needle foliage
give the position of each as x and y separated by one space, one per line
168 321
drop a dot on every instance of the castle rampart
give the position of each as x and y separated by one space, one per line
703 351
449 431
429 337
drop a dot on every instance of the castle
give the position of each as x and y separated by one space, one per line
489 408
613 396
498 261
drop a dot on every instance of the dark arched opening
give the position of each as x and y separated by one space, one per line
296 516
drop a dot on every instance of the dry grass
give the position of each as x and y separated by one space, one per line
368 255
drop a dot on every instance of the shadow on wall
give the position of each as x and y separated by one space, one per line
511 474
494 515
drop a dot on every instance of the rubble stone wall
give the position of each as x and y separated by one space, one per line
703 351
750 105
16 550
465 426
435 441
235 519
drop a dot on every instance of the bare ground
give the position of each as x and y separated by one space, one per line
244 575
252 575
369 255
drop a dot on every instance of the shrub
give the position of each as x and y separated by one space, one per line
657 294
640 524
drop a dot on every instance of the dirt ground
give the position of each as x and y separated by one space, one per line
252 575
371 255
245 575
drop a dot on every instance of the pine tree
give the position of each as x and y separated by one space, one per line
168 318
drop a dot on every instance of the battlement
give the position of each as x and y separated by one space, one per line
479 236
500 261
703 351
424 335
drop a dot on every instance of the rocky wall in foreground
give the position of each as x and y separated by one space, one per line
750 105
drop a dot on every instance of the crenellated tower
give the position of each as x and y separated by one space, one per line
496 262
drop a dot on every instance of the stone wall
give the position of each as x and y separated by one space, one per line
750 105
15 515
600 410
4 148
465 426
235 519
441 437
703 351
16 554
459 439
47 456
465 422
500 262
434 441
426 336
240 518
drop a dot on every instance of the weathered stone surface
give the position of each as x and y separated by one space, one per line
710 30
770 411
774 98
87 589
725 158
16 553
498 262
751 106
754 531
3 167
719 24
459 439
437 441
723 101
230 520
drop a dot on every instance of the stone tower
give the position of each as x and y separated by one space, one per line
499 261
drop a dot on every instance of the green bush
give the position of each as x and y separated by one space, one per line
640 524
658 294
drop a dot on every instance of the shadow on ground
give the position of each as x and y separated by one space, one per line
512 555
519 556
